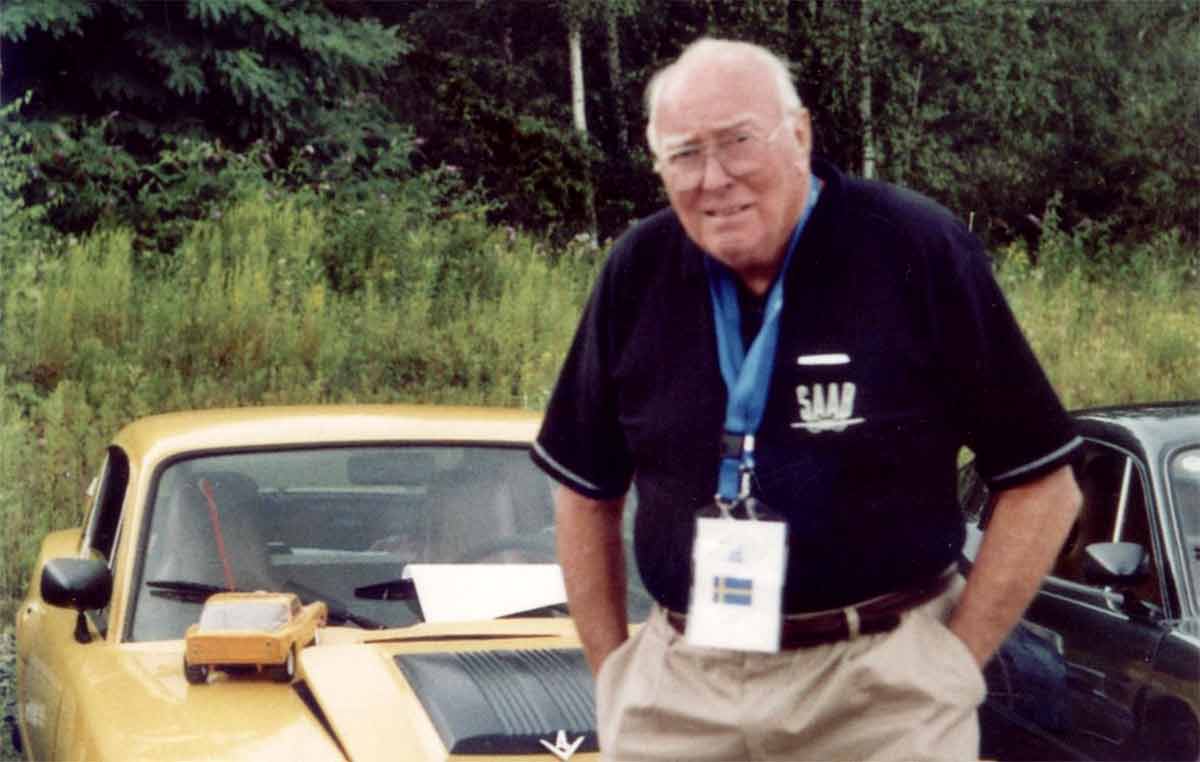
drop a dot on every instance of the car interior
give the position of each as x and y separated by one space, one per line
327 522
1114 510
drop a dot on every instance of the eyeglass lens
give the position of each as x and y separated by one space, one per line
738 155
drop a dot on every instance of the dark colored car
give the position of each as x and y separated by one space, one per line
1106 663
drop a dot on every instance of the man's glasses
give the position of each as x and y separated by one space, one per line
740 152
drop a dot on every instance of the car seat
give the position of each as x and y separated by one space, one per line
210 529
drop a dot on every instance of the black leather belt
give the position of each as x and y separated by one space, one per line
881 614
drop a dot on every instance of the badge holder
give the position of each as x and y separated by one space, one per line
738 561
740 550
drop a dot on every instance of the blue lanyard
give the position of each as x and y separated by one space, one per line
747 374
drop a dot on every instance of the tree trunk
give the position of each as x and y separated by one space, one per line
864 103
615 79
575 42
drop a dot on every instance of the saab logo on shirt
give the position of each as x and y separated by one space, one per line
735 591
826 407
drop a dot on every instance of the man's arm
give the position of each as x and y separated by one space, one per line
1028 526
593 563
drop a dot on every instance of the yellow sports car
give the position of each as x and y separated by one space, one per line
426 532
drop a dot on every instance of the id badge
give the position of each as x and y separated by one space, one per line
737 584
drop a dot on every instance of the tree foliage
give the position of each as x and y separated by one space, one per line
238 70
121 89
995 109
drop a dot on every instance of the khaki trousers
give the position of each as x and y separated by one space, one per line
908 694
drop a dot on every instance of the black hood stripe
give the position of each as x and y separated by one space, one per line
504 702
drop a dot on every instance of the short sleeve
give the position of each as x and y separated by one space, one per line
1009 414
581 443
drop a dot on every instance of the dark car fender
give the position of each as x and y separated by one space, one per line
1168 712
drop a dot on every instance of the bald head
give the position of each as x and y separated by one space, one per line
710 52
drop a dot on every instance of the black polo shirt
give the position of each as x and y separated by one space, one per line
896 347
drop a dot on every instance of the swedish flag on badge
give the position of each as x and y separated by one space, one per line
734 591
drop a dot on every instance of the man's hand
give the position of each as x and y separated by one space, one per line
1028 526
593 562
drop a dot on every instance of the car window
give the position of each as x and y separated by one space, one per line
267 616
347 525
972 493
104 515
1184 478
1115 509
104 518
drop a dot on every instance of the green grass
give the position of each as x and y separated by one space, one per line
455 312
438 309
1129 336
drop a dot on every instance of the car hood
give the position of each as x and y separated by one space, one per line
432 692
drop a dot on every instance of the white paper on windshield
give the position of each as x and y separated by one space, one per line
462 592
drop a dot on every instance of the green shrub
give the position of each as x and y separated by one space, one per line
1124 331
23 234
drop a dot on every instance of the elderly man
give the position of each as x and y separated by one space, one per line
786 363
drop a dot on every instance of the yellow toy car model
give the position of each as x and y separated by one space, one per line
259 631
428 534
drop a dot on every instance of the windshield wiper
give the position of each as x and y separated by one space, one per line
339 614
184 590
337 611
199 592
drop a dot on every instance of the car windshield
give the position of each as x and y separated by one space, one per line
244 615
1184 476
387 536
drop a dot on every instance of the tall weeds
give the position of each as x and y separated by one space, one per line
430 308
1127 330
449 310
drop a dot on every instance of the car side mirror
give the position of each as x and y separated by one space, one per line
1115 563
77 583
